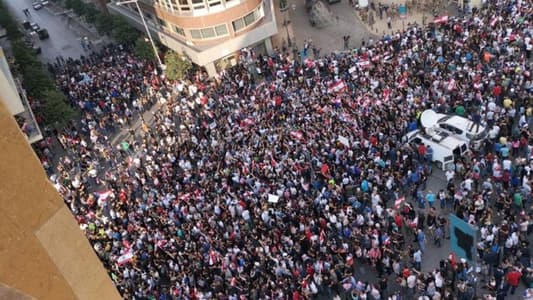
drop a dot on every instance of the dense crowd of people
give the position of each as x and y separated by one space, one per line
282 182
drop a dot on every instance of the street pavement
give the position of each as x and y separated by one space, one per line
65 34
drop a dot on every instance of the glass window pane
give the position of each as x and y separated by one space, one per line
211 4
195 34
179 30
238 24
221 30
249 19
208 33
183 2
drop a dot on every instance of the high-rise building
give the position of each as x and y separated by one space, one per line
14 98
208 32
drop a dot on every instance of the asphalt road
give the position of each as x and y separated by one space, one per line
65 34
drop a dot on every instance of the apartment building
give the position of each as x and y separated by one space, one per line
208 32
14 98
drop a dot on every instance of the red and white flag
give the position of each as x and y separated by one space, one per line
102 196
493 21
364 64
124 259
297 134
337 87
398 202
441 20
386 95
322 237
247 122
452 84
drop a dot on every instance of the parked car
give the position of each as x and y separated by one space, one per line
37 5
35 26
43 34
26 25
44 2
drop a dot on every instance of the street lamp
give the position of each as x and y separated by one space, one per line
146 28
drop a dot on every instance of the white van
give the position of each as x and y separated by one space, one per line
463 128
446 147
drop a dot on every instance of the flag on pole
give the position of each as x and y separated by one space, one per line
102 196
398 202
441 20
126 258
337 87
297 134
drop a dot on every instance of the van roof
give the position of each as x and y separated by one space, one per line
438 138
460 122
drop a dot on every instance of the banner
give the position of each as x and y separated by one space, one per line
463 239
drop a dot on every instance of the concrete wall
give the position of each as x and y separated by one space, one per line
43 253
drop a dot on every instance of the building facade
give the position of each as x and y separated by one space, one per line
208 32
14 98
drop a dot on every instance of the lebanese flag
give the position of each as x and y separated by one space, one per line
398 202
213 257
124 259
493 21
403 82
364 64
452 84
247 122
297 134
386 95
349 260
336 87
322 237
441 20
102 196
336 101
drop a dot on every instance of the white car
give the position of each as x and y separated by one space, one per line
37 5
463 128
44 2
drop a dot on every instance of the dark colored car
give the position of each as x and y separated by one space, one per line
43 34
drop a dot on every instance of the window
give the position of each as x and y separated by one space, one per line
249 19
214 3
238 24
198 4
208 33
221 30
179 30
196 34
162 22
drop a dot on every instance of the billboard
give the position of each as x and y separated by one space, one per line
463 239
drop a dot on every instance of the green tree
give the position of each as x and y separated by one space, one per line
177 66
143 49
123 32
56 111
23 56
9 23
91 13
36 80
104 24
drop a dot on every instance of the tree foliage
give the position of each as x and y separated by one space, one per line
177 66
123 32
9 23
143 49
56 111
104 23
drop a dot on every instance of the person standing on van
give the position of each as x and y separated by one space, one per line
421 152
429 154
